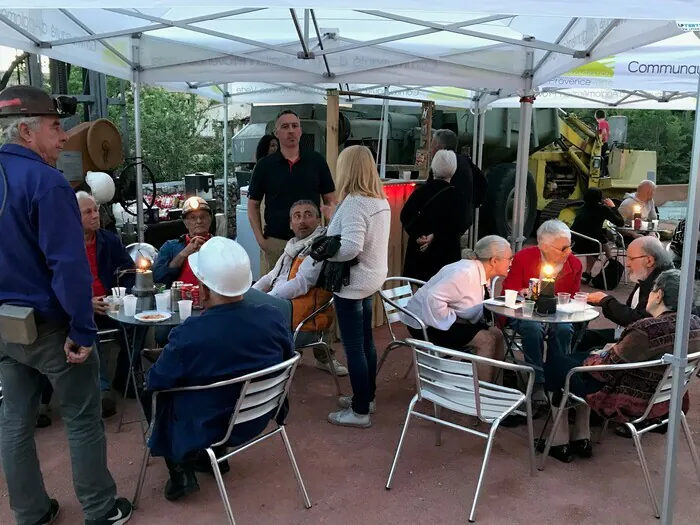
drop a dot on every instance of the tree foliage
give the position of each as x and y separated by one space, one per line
669 133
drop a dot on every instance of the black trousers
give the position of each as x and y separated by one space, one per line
459 335
594 339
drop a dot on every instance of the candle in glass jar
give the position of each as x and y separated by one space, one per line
637 217
546 286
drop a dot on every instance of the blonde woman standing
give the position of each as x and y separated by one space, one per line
362 219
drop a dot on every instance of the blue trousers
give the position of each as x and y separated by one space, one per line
534 334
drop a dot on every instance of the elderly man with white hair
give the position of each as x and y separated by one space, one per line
431 219
554 249
643 198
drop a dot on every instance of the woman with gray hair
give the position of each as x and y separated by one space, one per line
431 218
621 396
450 304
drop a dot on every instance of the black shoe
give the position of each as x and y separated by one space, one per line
624 432
43 421
182 482
561 453
582 448
51 514
119 514
109 407
202 464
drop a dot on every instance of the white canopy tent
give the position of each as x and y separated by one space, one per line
507 47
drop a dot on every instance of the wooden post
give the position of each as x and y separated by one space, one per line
423 153
332 117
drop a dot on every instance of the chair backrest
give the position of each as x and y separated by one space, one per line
494 284
261 392
663 389
107 336
399 296
320 329
454 383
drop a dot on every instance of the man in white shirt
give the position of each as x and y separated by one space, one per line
643 198
294 278
451 303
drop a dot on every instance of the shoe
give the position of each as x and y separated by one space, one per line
202 464
348 418
624 432
561 453
346 402
340 370
182 482
119 514
582 448
51 514
43 421
109 406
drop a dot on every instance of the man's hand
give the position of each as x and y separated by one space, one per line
328 210
596 298
195 244
424 241
75 353
99 306
609 203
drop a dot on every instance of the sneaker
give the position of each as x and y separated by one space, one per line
348 418
346 402
118 515
51 515
43 420
109 406
340 370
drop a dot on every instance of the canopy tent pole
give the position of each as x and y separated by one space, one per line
140 227
679 359
479 163
473 231
385 133
226 145
520 194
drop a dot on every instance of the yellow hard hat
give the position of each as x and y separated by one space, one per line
193 204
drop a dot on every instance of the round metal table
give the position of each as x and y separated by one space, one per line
586 316
642 231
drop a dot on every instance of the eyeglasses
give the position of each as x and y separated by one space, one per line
197 218
568 247
638 257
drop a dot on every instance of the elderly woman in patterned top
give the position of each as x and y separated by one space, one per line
621 396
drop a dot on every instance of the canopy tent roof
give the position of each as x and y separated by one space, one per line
181 47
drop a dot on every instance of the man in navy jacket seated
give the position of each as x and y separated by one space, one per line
231 338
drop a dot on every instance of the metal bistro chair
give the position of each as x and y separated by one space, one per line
600 254
394 301
662 394
320 343
454 384
261 393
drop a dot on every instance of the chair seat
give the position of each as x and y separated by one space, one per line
493 404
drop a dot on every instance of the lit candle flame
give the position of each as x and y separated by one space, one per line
548 270
637 209
144 264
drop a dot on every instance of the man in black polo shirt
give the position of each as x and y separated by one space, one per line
283 178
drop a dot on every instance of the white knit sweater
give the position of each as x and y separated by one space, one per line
363 224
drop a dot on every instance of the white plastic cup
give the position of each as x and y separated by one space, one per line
645 225
163 302
130 302
113 303
655 224
580 300
119 291
185 309
528 308
511 298
563 298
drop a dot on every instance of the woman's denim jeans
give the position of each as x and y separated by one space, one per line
355 323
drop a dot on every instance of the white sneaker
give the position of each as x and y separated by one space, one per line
340 370
348 418
346 402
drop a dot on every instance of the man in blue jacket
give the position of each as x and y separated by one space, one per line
45 268
231 338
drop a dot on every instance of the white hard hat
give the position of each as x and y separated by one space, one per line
101 186
223 266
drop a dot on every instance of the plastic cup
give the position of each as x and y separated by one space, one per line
655 224
580 300
563 298
511 298
119 291
113 303
185 309
163 302
645 225
130 302
528 308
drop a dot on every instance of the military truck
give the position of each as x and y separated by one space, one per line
565 155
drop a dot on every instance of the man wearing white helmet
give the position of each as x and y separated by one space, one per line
233 336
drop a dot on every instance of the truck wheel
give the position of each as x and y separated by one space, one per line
499 202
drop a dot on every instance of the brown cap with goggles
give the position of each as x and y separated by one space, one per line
28 101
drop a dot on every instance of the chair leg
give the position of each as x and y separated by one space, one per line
295 467
530 435
484 464
329 356
400 445
645 467
557 420
603 430
438 426
391 346
691 444
142 477
222 488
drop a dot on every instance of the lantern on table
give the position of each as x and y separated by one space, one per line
546 302
144 287
637 223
